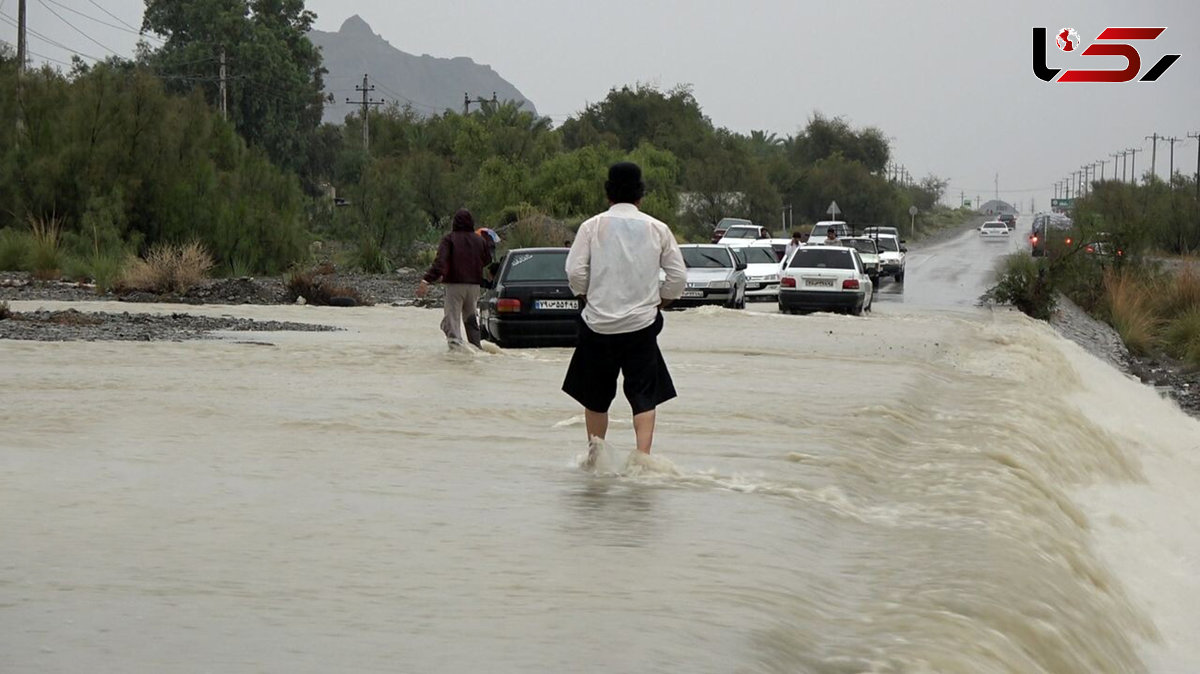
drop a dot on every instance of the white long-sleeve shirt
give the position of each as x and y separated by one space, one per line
615 261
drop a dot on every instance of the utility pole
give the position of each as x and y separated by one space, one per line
997 187
366 104
21 58
1101 162
1114 156
962 198
1153 153
1133 166
1197 137
479 100
1172 140
224 110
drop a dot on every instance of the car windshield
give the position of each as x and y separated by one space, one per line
742 233
818 258
706 258
539 266
888 243
756 255
861 245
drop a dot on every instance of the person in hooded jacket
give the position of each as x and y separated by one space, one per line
461 257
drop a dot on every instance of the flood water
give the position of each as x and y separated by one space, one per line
928 489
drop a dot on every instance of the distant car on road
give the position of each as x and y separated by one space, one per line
530 303
892 255
744 235
714 276
994 230
825 278
821 229
762 269
1051 234
724 224
872 231
1008 219
868 250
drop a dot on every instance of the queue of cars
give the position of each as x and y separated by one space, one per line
529 301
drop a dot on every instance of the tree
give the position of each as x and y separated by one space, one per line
274 86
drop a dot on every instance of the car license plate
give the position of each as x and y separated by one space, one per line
819 282
556 304
693 293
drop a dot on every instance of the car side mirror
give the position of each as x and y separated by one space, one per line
903 249
741 266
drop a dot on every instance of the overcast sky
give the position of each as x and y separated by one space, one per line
950 83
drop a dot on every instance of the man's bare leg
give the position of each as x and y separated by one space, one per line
643 428
596 423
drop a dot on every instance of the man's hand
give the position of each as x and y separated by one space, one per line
664 303
423 289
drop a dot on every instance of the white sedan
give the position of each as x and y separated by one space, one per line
994 230
825 278
762 269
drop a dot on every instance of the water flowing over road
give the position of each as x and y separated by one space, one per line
935 487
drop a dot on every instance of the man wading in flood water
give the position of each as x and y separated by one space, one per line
613 267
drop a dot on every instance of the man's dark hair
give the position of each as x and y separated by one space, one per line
624 185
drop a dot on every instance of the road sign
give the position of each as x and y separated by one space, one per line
912 210
1062 203
833 210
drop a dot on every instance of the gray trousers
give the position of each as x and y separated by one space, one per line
459 312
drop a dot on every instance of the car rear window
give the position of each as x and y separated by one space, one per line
543 266
756 255
707 258
861 245
811 258
742 233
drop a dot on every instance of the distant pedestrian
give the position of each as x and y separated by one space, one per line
831 238
614 267
461 258
792 246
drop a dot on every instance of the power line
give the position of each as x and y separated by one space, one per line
76 29
110 14
12 22
102 22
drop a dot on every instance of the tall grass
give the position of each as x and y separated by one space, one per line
168 268
535 231
1181 338
46 253
15 247
1131 309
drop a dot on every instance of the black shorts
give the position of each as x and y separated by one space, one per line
592 376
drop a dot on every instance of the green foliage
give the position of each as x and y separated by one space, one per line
15 247
826 137
1024 282
46 255
1157 214
274 89
535 231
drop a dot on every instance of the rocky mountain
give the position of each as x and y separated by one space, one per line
427 83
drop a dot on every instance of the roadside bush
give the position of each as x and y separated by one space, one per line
5 312
1130 307
168 268
1023 282
46 255
1178 293
320 291
15 247
1182 338
534 232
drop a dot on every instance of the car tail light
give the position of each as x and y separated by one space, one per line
506 306
787 282
1068 240
1120 252
850 284
1034 239
1090 249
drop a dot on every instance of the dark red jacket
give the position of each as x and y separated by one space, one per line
461 256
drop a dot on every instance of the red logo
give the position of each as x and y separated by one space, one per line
1116 45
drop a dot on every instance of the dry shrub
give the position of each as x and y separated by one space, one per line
1131 306
45 254
169 268
321 291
